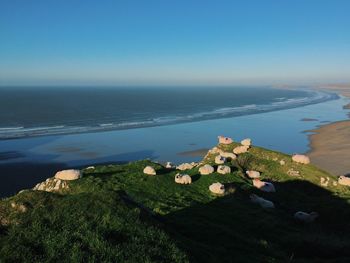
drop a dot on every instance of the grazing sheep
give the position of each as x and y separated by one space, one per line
206 169
224 169
240 149
305 217
343 180
217 188
68 175
184 166
264 186
169 165
246 142
220 159
261 201
253 174
299 158
183 179
149 170
225 140
232 156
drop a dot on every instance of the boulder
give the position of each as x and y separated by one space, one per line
206 169
184 166
343 180
223 169
149 170
240 149
183 179
220 159
68 175
253 174
302 159
225 140
264 186
217 188
246 142
261 201
305 217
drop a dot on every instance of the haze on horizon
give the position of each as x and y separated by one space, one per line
72 42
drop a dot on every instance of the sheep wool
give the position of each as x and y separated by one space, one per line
224 169
206 169
217 188
302 159
253 174
183 179
184 166
229 155
220 159
149 170
68 175
343 180
225 140
246 142
240 149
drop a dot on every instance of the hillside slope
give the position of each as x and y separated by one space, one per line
116 213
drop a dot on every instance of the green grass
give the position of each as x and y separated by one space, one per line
116 213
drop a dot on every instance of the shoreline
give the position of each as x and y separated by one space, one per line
330 143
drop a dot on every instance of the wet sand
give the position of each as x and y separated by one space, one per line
330 145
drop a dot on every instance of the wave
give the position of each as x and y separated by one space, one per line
279 104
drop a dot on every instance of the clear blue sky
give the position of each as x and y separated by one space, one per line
174 42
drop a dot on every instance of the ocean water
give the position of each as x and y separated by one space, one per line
27 112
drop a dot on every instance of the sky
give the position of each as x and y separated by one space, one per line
130 42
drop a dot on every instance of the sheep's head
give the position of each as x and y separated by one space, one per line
178 176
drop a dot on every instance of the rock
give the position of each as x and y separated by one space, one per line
264 186
223 169
19 207
324 181
302 159
282 162
253 174
246 142
220 159
225 140
184 166
183 179
149 170
169 165
90 168
206 169
261 201
343 180
293 172
52 185
305 217
217 188
240 149
68 175
228 155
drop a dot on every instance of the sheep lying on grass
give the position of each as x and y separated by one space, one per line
184 166
305 217
232 156
183 179
206 169
302 159
220 159
217 188
149 170
264 186
343 180
240 149
246 142
223 169
253 174
68 175
225 140
261 201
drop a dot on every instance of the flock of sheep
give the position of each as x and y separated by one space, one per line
219 188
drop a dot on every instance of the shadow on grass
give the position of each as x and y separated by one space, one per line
232 229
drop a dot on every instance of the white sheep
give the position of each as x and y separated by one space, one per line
253 174
169 165
225 140
305 217
217 188
261 201
183 179
223 169
299 158
240 149
184 166
220 159
264 186
246 142
343 180
206 169
232 156
149 170
68 174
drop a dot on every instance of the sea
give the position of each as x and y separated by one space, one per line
45 129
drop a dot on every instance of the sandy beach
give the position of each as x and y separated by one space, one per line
330 144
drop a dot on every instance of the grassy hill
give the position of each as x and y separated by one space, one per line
116 213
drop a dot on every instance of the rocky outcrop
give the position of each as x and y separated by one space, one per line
184 166
52 185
